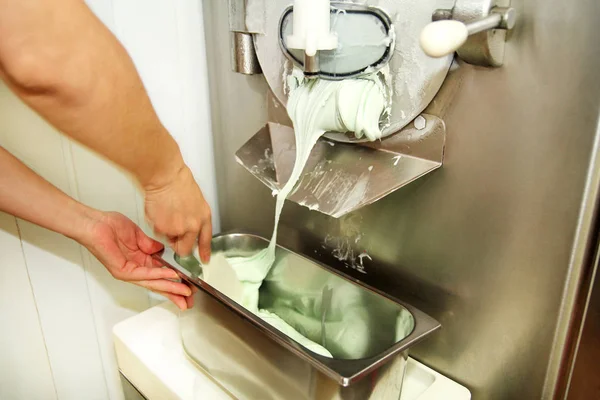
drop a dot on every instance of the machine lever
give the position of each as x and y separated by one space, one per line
444 36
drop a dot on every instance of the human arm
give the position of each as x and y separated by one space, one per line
68 67
113 239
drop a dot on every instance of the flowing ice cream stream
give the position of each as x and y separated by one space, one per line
315 106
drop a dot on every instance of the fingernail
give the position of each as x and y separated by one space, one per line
205 258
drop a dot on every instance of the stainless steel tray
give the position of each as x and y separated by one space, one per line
297 282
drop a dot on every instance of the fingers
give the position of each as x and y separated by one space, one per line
179 301
204 241
170 225
183 302
179 211
140 273
184 245
190 299
166 286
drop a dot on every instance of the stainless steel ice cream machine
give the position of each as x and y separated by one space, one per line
500 245
410 43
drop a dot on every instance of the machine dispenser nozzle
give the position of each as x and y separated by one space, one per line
312 32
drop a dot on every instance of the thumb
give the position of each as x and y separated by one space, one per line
146 243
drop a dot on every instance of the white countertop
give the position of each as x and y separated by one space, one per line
151 357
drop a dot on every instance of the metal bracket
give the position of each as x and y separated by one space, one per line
243 53
340 177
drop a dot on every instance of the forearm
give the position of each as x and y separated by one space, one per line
60 59
26 195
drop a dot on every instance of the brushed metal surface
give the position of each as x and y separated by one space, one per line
484 244
572 326
340 177
375 327
237 15
251 366
243 56
415 78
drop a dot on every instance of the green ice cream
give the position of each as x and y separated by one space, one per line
315 106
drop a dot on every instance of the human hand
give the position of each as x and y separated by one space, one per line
177 210
126 252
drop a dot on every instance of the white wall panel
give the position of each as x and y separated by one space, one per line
22 347
54 262
61 293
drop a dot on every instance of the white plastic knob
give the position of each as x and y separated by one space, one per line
312 31
441 38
